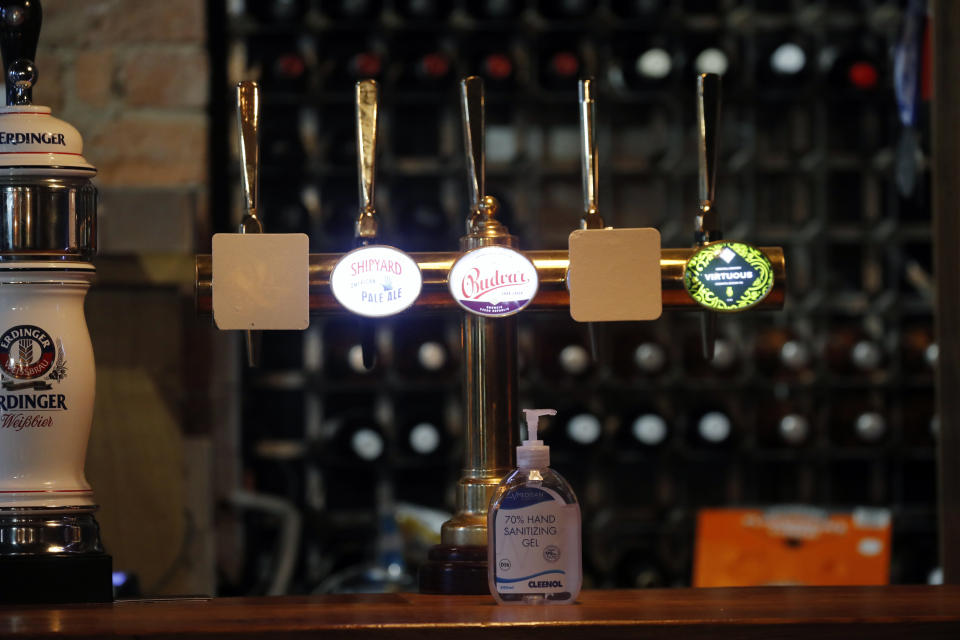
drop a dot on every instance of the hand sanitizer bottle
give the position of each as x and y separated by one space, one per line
534 529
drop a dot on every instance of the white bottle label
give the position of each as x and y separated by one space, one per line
537 543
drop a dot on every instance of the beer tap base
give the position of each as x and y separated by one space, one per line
455 570
53 555
56 579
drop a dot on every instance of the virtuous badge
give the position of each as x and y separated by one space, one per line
728 276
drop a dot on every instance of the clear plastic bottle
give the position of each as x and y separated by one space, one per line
533 526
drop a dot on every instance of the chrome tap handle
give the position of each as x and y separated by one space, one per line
248 124
708 126
708 219
365 230
471 106
588 156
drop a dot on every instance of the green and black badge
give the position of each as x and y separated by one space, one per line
728 276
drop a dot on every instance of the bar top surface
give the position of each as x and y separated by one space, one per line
767 612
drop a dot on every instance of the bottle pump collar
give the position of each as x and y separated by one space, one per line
533 454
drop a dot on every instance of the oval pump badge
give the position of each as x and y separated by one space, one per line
376 281
728 276
493 281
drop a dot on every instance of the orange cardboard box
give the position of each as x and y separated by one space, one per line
793 545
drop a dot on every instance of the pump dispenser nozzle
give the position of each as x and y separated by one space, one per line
533 454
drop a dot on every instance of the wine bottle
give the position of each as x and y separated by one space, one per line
851 351
342 352
725 362
711 59
421 419
422 349
784 63
560 68
648 429
781 354
858 420
919 350
636 352
285 64
354 436
713 428
855 69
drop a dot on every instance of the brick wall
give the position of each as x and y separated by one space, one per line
133 77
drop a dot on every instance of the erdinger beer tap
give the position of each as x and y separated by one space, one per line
50 548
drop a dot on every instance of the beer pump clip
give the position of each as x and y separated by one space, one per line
490 279
613 274
373 280
721 275
258 281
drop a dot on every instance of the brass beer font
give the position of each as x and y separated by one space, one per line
490 344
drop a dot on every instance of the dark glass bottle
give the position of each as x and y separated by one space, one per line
422 350
422 436
851 351
781 354
560 67
784 63
858 419
644 428
854 69
343 355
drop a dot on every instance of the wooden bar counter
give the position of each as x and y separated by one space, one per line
905 612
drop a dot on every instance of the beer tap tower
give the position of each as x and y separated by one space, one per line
50 548
458 564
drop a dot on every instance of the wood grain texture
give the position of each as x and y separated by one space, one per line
784 612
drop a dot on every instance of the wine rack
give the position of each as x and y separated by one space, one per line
828 403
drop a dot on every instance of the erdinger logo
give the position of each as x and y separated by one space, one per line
26 352
27 137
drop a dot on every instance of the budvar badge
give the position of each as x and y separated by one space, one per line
376 281
493 281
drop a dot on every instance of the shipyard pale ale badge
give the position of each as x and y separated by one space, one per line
376 281
728 276
493 281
